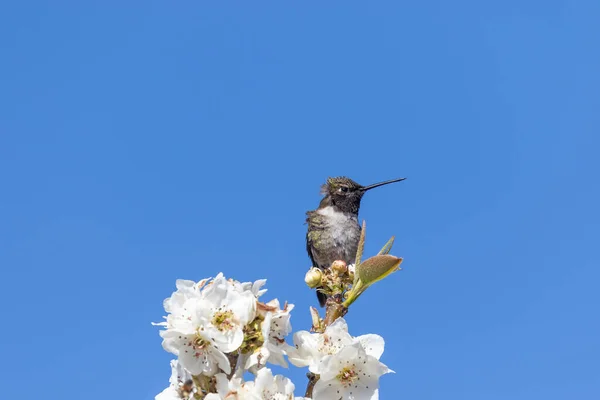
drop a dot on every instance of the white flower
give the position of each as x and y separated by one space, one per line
269 387
280 328
265 387
174 304
274 328
185 290
349 374
196 352
224 312
234 389
181 384
311 348
206 320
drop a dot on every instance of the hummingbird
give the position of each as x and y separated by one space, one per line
333 229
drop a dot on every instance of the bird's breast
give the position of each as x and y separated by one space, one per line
343 232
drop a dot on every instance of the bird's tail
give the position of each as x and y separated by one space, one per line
322 297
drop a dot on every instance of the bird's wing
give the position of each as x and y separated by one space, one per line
316 226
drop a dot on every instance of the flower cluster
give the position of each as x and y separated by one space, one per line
219 329
348 367
265 386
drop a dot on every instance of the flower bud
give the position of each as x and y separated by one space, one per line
339 266
313 277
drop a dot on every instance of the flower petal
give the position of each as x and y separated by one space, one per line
373 344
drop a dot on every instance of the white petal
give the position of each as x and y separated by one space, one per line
243 306
376 368
256 287
184 320
273 303
365 392
331 365
327 390
226 341
270 387
373 344
280 325
169 393
335 338
197 363
222 360
222 384
265 326
284 385
185 285
258 358
305 350
276 356
264 378
203 310
178 374
216 293
206 361
219 276
173 341
339 325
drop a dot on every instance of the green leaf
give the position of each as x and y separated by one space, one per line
387 247
361 244
376 268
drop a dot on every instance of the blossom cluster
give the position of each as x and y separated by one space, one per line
219 329
265 386
348 367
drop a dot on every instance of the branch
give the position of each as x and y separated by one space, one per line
335 309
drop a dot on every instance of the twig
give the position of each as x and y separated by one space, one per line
312 380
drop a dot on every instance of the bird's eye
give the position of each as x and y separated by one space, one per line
344 189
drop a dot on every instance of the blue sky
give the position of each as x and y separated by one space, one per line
149 141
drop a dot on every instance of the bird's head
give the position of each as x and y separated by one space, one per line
345 194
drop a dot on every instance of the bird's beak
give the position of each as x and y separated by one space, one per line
365 188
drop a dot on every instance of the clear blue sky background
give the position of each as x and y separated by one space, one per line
146 141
